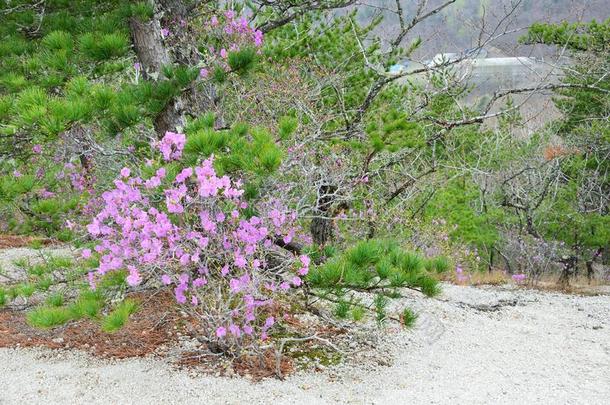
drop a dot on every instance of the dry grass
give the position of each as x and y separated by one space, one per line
579 285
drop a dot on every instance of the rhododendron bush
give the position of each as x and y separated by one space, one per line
194 231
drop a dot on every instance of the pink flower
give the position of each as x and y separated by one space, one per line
165 279
240 262
172 145
234 329
296 281
37 149
86 253
17 173
221 332
204 73
223 53
199 282
134 277
258 38
136 66
165 32
91 278
194 300
269 322
125 172
214 21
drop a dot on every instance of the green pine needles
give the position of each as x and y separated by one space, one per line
375 266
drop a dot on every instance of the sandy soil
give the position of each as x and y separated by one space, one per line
471 346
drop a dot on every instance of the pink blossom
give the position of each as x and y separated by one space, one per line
199 282
269 322
165 279
37 149
125 172
221 331
134 277
86 253
234 329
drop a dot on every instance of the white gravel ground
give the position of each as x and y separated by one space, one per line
10 272
472 346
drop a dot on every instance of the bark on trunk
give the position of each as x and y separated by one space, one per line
153 55
175 8
321 227
171 118
148 45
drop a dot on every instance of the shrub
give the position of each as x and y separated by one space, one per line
191 229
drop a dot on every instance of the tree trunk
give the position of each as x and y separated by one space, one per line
171 118
321 227
148 45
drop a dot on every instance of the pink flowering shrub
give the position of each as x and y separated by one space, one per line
191 231
232 43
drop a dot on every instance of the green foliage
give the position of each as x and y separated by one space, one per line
242 61
48 316
102 47
409 317
119 316
439 264
55 300
240 149
373 265
377 266
358 313
342 309
88 304
287 126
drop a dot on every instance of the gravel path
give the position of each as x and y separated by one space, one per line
471 346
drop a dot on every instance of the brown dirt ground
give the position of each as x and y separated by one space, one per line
15 241
146 331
